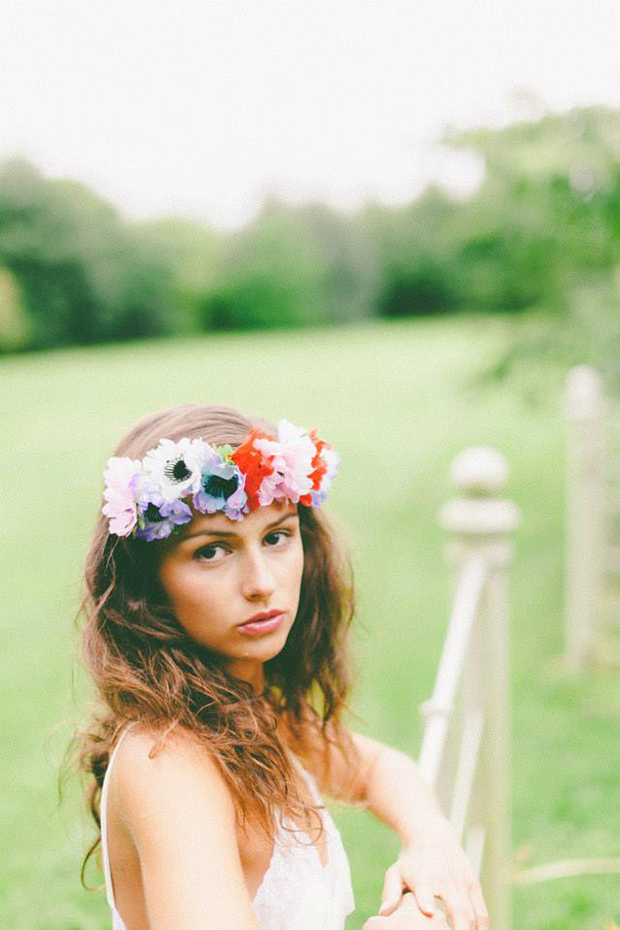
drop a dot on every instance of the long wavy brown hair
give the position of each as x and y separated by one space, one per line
146 668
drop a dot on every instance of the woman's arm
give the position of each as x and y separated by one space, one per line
383 779
181 817
394 791
432 863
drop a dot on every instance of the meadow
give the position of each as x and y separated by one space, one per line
398 401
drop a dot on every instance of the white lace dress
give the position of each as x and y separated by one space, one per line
297 891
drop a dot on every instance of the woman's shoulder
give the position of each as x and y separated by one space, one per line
141 741
179 814
329 752
163 762
308 742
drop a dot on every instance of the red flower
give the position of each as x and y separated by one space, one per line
319 466
254 466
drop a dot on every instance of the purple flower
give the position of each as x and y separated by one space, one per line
157 517
222 487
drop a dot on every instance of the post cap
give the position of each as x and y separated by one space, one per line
583 393
480 470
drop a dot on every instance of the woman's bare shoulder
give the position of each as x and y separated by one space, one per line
331 754
177 742
158 763
181 817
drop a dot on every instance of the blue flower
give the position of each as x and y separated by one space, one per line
222 487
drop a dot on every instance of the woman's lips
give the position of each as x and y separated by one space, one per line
262 626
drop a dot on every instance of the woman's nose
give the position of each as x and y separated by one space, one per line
258 582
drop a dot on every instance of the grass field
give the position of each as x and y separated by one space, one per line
398 402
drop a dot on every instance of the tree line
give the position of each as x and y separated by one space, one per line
543 225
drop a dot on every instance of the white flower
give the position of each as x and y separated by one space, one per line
175 467
332 460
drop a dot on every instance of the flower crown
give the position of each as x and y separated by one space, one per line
146 498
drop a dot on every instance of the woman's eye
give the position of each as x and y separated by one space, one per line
212 553
276 538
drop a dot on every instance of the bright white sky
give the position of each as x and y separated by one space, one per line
198 107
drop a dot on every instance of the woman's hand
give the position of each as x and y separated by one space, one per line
435 866
407 916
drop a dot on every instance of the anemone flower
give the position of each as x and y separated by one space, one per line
222 487
175 467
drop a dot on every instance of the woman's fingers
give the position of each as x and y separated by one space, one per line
416 920
464 904
392 890
425 897
408 916
480 908
460 909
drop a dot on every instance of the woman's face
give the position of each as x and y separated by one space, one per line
219 574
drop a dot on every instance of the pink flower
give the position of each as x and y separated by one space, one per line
291 458
121 477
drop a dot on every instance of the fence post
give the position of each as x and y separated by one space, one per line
584 514
480 522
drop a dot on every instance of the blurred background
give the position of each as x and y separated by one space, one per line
399 224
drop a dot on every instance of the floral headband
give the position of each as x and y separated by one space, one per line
146 498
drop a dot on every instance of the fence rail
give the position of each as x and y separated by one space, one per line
465 746
584 407
438 709
592 564
465 754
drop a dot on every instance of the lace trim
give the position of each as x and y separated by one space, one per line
298 892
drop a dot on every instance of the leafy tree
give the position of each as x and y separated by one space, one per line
14 324
552 192
546 215
192 254
83 276
415 255
291 267
542 233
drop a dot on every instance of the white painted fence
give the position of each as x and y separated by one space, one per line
465 751
592 564
583 580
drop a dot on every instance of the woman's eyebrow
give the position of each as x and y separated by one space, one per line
205 532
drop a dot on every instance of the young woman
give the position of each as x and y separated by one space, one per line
217 613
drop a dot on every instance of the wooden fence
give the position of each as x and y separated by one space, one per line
465 754
465 751
592 565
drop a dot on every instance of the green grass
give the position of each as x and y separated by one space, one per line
398 401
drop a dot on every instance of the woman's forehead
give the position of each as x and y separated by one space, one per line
258 520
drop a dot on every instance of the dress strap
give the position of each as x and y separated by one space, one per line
307 776
103 818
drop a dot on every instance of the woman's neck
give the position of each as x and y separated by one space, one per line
252 672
